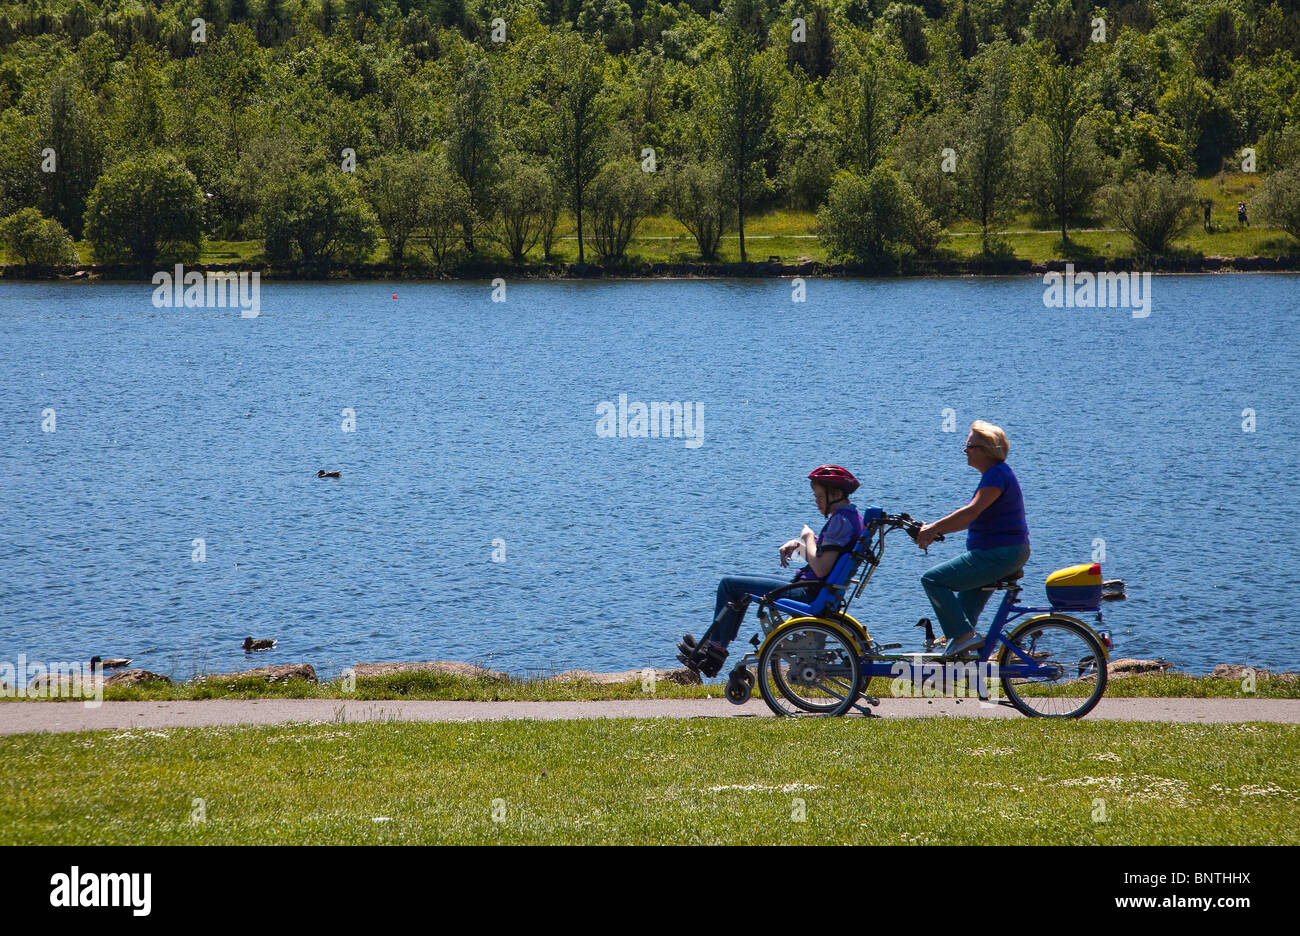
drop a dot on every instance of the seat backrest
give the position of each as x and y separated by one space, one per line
843 570
840 573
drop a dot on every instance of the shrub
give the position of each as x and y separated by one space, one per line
697 200
1278 200
1153 207
32 239
521 198
317 218
619 199
874 218
145 210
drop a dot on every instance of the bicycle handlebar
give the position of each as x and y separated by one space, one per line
905 523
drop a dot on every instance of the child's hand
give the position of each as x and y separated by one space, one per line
788 550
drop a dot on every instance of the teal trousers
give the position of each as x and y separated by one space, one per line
956 587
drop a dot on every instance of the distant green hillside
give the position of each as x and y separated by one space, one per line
451 128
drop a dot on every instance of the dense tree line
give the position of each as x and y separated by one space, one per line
319 126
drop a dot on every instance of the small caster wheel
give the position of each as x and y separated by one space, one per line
740 686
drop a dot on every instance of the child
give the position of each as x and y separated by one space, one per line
831 486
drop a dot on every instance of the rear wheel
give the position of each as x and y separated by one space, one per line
809 668
1072 663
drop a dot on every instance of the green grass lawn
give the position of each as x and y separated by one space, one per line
660 781
672 245
790 236
444 686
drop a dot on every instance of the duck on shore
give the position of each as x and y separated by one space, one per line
110 663
328 474
263 643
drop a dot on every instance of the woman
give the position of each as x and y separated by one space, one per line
996 546
831 486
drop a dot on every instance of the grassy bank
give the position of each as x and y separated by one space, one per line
712 781
790 235
427 685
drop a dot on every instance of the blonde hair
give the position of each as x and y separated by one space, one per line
994 439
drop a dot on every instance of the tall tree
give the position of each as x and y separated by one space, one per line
815 53
397 185
68 130
1072 169
967 36
876 112
474 146
1218 46
579 127
985 166
138 123
741 112
908 23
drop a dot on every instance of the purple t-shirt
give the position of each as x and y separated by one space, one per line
841 531
1003 522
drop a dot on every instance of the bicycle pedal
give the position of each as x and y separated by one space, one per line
896 646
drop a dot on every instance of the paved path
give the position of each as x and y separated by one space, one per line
20 717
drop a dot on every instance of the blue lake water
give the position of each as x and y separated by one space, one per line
476 423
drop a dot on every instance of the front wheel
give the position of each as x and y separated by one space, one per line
1066 669
809 667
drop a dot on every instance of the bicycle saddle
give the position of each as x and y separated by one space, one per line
1008 581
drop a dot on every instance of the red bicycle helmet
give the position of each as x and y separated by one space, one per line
835 476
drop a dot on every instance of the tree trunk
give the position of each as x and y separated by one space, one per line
740 218
579 214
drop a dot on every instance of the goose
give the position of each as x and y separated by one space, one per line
263 643
111 663
327 474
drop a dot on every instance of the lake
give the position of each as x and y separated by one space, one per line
485 513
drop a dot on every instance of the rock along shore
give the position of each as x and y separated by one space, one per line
772 267
280 673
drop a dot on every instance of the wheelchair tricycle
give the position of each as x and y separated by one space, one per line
814 658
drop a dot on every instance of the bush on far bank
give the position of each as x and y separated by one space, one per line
33 240
1153 207
875 219
1278 200
145 210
